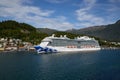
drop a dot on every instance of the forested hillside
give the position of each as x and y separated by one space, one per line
26 32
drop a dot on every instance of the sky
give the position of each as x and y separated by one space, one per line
61 14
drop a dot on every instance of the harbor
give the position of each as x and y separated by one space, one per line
9 44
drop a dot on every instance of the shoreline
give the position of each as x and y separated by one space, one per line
102 48
16 51
110 47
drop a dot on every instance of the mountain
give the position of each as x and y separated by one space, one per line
13 25
47 30
109 32
26 32
56 32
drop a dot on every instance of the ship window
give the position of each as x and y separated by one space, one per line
50 42
79 42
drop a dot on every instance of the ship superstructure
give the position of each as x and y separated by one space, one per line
65 44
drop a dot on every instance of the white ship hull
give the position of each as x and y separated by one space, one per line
64 49
63 44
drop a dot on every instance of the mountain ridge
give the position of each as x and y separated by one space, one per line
108 32
15 29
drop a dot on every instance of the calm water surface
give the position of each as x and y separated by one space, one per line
97 65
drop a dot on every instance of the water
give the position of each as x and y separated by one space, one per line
97 65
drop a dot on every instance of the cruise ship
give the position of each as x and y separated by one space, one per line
54 44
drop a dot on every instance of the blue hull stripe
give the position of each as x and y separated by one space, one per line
46 49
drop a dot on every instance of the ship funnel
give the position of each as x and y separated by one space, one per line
65 36
61 36
53 35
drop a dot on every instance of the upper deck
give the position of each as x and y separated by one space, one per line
64 41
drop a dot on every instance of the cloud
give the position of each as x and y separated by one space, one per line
59 23
16 8
114 1
56 1
114 5
20 11
86 18
89 3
